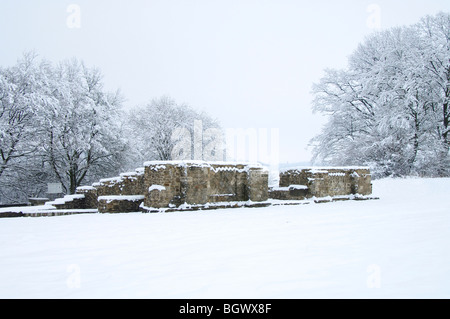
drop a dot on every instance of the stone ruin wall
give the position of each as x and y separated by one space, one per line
161 185
299 184
172 185
130 183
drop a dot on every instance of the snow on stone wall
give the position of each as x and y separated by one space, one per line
322 182
172 184
199 183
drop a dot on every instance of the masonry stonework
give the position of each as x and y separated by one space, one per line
119 204
298 184
174 185
130 183
90 196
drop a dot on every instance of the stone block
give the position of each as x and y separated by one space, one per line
120 204
257 185
90 196
200 183
325 181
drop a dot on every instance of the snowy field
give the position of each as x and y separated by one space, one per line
395 247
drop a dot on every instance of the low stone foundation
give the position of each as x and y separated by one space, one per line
130 183
302 183
192 185
171 185
76 201
119 204
11 214
38 201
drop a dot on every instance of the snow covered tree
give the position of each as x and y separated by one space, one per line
83 135
389 108
22 97
24 94
151 128
56 124
436 34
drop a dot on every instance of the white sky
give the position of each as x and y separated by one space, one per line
249 63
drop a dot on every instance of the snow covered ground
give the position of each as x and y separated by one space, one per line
395 247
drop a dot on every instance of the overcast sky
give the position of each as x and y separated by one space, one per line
251 64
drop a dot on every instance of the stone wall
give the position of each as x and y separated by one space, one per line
171 184
76 201
130 183
174 184
119 204
90 196
298 184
